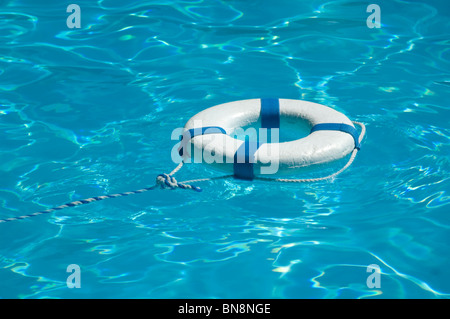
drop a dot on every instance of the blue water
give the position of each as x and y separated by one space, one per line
90 111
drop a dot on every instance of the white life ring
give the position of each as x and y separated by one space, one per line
219 149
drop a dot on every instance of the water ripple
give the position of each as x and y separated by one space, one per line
90 111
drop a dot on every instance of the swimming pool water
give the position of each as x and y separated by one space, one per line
90 111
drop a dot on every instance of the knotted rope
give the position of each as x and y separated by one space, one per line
165 180
162 180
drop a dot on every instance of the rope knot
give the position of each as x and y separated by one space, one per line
168 181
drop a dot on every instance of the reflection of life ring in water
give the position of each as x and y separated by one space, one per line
332 136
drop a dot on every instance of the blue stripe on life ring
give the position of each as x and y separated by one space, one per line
338 127
270 113
245 155
244 159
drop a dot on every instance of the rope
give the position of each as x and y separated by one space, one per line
165 180
78 203
168 181
162 180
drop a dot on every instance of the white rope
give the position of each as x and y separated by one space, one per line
168 181
176 169
207 179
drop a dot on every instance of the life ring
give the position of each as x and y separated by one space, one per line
206 137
